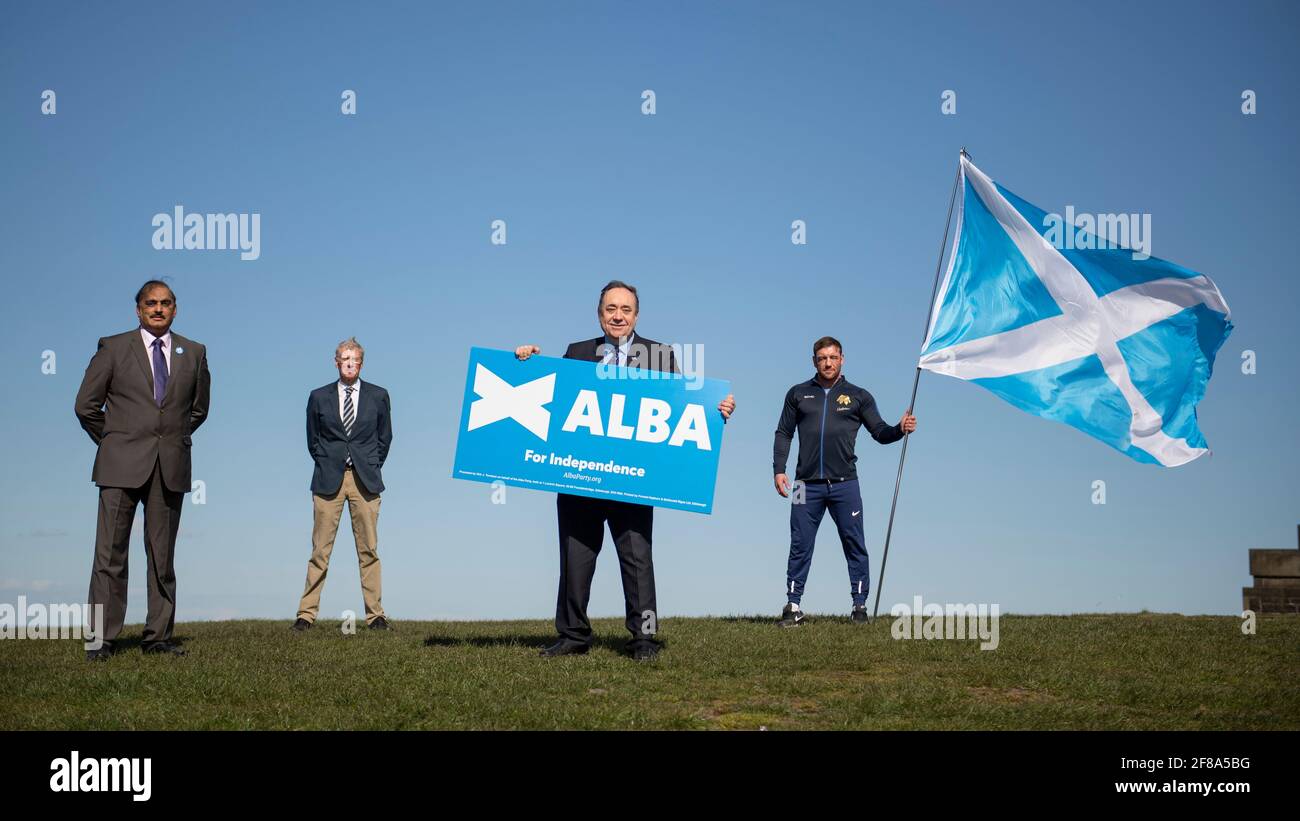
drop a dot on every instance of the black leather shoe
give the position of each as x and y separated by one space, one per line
165 647
301 625
380 623
646 651
565 647
103 653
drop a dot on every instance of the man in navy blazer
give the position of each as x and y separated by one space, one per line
349 429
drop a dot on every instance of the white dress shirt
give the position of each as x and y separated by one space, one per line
621 351
166 346
356 406
356 399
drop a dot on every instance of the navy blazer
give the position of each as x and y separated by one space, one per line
372 433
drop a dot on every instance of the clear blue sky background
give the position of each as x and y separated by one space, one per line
378 225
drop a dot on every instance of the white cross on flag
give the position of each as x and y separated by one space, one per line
1117 344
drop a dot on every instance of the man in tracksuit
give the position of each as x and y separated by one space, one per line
827 411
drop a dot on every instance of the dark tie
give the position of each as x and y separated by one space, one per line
349 415
613 355
159 372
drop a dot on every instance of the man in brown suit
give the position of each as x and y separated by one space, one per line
144 393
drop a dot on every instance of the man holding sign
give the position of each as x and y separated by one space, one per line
582 519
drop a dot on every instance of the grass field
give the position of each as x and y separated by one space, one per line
1133 671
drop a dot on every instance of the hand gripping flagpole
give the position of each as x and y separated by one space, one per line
911 406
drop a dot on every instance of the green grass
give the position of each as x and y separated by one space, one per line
1134 671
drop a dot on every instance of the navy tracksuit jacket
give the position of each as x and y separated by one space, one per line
828 422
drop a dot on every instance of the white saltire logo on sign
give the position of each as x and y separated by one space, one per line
523 403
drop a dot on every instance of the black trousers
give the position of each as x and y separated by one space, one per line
162 520
582 531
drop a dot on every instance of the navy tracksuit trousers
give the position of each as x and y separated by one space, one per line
844 500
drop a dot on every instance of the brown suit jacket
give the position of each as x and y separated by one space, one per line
116 407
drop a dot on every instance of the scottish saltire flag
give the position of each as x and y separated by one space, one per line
1121 348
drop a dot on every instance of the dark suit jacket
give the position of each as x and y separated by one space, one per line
642 353
372 433
116 407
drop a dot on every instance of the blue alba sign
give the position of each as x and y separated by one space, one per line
605 431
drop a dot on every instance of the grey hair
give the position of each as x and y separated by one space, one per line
350 344
617 283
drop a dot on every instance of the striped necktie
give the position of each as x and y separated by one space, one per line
349 414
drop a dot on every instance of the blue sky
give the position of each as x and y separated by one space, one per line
377 225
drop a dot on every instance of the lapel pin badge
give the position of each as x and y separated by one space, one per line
179 350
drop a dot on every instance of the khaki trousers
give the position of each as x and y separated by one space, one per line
363 507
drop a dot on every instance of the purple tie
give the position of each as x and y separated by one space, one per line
159 372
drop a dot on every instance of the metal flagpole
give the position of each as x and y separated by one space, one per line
911 406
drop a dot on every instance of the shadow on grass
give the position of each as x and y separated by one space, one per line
122 644
749 620
532 641
808 619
